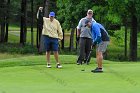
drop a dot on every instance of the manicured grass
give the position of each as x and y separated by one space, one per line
29 75
14 36
14 27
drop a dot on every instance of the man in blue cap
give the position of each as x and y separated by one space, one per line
52 33
100 40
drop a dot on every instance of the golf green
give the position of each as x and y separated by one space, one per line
72 78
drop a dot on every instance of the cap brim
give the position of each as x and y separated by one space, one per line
52 15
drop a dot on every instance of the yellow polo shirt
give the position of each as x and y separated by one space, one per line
52 29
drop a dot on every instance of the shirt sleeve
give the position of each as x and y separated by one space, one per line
97 34
37 15
93 20
60 33
79 24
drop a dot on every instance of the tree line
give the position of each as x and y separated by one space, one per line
113 14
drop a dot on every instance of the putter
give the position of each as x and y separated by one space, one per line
88 58
77 48
78 51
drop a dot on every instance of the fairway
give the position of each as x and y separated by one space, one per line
34 77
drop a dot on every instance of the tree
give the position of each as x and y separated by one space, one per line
7 20
122 12
129 11
46 8
133 33
32 39
120 8
2 20
69 14
23 29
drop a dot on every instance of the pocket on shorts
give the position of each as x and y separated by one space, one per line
102 46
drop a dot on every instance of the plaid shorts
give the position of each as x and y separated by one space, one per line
101 47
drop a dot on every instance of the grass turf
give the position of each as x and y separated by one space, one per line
29 75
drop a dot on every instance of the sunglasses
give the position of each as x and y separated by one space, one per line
90 13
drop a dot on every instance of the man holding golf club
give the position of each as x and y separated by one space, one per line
52 33
39 28
84 37
100 40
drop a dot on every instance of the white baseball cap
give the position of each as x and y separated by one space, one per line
90 11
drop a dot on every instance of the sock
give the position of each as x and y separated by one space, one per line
100 68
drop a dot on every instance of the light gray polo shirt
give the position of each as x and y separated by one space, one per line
85 31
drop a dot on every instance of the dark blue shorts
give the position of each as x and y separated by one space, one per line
51 44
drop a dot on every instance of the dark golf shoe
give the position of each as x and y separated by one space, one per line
79 63
97 70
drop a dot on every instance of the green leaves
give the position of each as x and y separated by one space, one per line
71 11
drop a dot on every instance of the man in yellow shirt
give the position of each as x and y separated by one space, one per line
52 33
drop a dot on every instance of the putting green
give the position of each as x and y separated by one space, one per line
117 78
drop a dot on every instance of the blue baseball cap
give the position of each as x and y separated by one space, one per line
52 14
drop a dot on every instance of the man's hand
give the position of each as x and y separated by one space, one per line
59 40
93 45
77 39
40 8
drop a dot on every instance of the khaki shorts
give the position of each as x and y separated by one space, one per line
101 47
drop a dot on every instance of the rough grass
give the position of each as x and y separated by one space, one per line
115 48
8 55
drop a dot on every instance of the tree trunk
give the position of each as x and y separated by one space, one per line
133 34
37 36
125 41
23 29
62 42
32 39
7 21
46 8
6 34
2 20
71 47
76 39
21 32
2 31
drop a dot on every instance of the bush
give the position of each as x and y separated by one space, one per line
17 48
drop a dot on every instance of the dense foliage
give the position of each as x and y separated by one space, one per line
69 12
